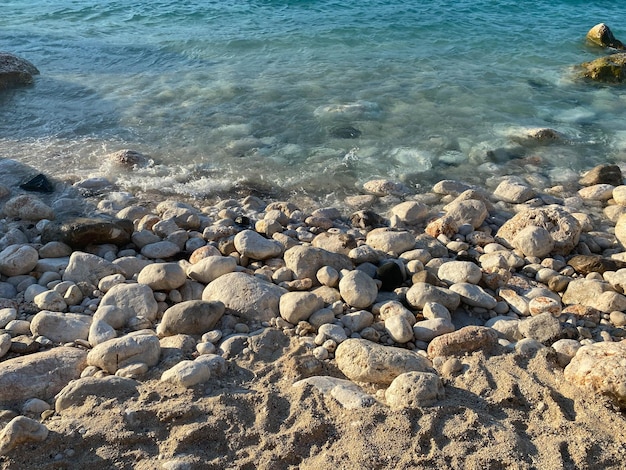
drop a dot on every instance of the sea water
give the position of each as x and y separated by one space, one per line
307 97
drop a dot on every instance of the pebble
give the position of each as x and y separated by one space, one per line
459 271
187 374
162 276
358 289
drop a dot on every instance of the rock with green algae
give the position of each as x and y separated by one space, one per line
609 69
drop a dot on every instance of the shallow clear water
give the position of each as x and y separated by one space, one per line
267 93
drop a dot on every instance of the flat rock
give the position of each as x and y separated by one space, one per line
348 394
467 339
364 361
544 328
77 391
60 327
160 250
245 296
80 232
193 317
474 295
600 368
40 375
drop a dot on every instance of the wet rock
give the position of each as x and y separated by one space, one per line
246 296
193 317
385 188
348 132
599 368
128 159
39 183
601 35
80 232
414 389
608 69
15 71
363 361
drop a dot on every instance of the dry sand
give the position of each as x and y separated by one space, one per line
501 411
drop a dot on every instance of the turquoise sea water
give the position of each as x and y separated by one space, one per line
308 96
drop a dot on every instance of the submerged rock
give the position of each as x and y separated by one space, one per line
609 69
15 71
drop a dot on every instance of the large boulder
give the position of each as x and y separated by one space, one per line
608 69
40 375
15 71
602 36
600 368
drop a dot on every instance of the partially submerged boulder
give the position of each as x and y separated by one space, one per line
601 35
15 71
609 69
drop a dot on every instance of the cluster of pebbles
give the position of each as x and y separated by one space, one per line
392 297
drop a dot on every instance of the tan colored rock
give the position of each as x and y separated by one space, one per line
563 227
364 361
467 339
414 389
601 35
20 430
40 375
601 368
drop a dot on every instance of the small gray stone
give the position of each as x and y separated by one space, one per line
399 328
474 295
60 327
420 293
426 330
160 250
534 241
357 321
50 300
99 332
20 430
187 374
133 300
543 327
253 245
18 259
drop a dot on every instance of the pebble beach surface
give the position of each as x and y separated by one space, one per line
139 335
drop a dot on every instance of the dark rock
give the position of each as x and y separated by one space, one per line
391 276
39 183
585 264
602 36
15 71
345 133
603 174
24 344
366 220
609 69
80 232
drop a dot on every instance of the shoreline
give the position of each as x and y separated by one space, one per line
288 321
